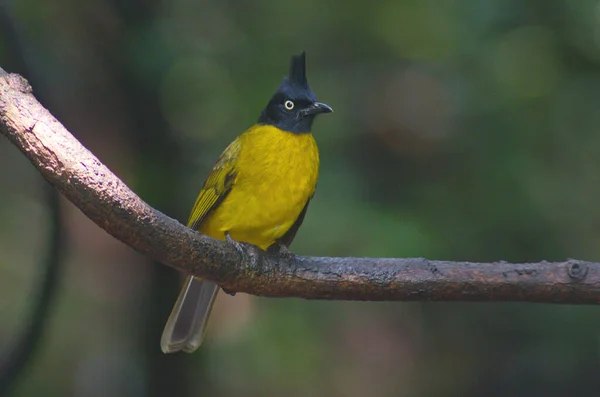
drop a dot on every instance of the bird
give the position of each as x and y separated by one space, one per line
257 193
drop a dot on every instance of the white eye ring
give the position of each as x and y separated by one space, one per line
289 105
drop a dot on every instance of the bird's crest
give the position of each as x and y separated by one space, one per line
297 74
295 85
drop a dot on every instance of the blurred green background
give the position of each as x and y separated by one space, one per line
465 130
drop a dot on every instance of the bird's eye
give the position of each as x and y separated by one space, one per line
289 105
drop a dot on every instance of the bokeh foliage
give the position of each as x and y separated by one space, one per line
462 130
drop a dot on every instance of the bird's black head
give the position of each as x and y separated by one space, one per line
294 106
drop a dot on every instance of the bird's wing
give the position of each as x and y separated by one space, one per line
217 185
288 237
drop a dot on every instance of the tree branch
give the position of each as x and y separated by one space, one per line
107 201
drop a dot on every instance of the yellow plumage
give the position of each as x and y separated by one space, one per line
272 174
257 193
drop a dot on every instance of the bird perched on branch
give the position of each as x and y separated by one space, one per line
257 193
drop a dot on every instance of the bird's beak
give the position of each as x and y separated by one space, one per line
318 107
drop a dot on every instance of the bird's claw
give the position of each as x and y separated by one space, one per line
283 252
246 250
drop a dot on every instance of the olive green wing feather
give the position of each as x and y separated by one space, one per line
217 186
187 323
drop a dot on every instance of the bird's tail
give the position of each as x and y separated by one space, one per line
187 323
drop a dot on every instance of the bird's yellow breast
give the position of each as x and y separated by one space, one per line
277 174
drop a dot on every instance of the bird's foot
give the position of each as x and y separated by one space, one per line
249 251
283 252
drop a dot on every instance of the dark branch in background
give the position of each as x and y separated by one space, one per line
105 199
15 361
13 364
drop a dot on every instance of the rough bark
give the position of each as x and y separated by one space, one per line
106 200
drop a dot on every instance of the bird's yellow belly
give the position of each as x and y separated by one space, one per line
276 181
